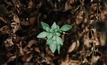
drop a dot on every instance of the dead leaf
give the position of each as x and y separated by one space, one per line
15 27
87 43
5 29
20 48
37 49
72 47
67 6
49 52
102 38
30 3
94 59
29 58
63 37
32 20
8 42
16 18
31 42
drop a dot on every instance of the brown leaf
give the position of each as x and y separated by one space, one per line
66 61
29 58
32 20
94 59
49 52
2 19
30 43
20 48
16 18
67 6
30 3
37 49
75 62
5 29
15 27
72 47
8 42
63 37
4 64
102 38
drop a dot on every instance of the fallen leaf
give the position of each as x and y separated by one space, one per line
15 27
16 18
72 47
8 42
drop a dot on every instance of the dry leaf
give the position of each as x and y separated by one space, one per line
29 58
78 44
5 29
75 62
2 19
102 38
66 61
72 47
8 42
16 18
94 59
87 43
32 20
30 43
20 48
49 52
4 64
30 3
15 27
67 6
63 37
37 49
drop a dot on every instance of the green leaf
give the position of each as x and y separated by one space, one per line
66 27
54 38
49 35
47 29
54 25
49 41
59 41
58 48
45 26
57 29
51 30
42 35
53 47
58 34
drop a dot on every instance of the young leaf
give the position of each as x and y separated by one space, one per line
49 35
58 34
54 25
53 47
59 41
49 41
66 27
44 25
47 29
42 35
58 48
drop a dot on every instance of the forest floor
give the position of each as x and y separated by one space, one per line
84 44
